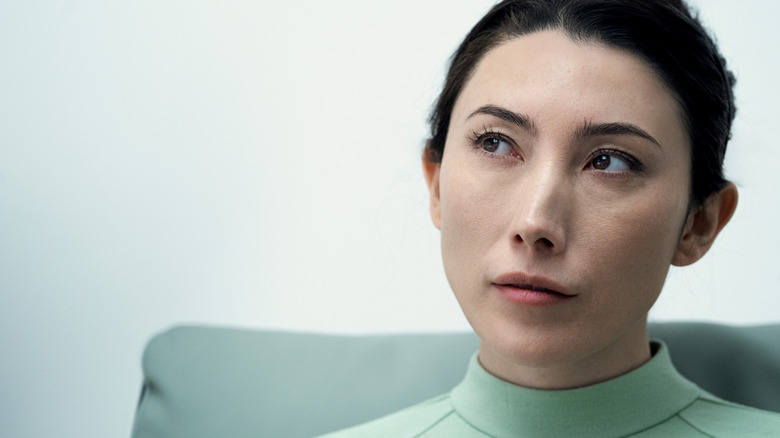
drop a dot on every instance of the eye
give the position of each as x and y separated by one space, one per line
495 144
609 163
614 161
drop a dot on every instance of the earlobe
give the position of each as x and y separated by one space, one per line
431 171
704 224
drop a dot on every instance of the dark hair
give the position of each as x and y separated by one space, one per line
662 32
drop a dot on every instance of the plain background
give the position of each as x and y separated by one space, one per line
256 163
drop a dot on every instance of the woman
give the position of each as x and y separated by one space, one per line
576 153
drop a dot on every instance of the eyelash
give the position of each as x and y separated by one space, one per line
634 164
477 137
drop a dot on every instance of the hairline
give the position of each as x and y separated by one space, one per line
501 37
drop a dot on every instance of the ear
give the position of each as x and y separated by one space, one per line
704 224
431 170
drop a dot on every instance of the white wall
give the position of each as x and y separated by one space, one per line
255 163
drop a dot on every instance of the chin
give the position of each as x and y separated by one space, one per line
562 345
535 350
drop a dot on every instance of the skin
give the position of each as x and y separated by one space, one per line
539 199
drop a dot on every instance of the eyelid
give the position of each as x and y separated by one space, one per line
477 137
633 163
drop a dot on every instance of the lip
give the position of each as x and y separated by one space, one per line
523 289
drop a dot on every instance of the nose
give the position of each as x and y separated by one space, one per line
542 211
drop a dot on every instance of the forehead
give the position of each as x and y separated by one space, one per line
551 78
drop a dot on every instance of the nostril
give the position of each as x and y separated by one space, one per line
542 240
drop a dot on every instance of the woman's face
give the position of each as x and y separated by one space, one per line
566 168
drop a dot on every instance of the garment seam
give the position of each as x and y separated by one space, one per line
470 424
694 427
727 404
434 423
676 414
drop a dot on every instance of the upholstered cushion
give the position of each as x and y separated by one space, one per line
207 382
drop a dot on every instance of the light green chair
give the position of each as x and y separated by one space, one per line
219 382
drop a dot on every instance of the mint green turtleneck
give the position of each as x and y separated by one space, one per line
652 401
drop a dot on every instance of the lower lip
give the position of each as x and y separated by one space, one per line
529 297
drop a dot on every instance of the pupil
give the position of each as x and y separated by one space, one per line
601 162
490 144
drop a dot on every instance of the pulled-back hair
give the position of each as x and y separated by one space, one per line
664 33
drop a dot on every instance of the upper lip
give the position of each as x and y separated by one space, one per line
533 282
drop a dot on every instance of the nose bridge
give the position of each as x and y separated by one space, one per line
541 214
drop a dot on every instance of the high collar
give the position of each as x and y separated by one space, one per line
624 405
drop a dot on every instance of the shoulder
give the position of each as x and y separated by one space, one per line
719 418
409 422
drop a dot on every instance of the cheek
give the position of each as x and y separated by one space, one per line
471 226
635 244
471 215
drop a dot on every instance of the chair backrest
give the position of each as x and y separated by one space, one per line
206 382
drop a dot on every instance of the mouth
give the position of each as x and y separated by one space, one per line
534 288
519 280
526 290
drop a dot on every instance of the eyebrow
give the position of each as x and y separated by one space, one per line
506 115
589 129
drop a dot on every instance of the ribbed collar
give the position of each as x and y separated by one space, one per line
622 406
